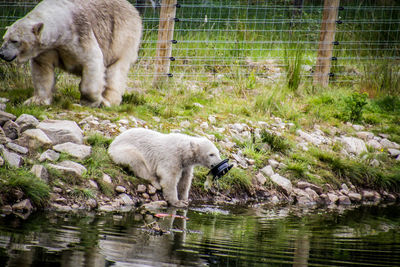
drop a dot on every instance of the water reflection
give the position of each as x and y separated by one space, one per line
213 236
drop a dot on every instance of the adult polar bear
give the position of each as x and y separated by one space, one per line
166 160
95 39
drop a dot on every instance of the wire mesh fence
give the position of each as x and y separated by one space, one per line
224 39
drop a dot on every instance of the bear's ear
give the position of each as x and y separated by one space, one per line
194 147
37 28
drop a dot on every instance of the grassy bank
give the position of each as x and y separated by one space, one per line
241 100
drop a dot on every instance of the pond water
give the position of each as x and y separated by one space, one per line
210 236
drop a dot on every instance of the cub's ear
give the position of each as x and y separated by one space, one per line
194 146
37 28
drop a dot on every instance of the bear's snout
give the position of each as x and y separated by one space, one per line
5 55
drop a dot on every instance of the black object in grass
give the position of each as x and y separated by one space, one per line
221 169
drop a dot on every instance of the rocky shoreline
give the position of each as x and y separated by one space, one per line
27 142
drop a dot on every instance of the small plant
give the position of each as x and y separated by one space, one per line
277 143
84 193
133 98
293 64
354 105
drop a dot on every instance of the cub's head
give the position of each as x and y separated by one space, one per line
21 41
206 152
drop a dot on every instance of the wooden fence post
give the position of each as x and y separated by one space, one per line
326 41
164 42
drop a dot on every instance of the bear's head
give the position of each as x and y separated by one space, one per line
206 152
21 41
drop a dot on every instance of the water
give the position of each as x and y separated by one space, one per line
212 236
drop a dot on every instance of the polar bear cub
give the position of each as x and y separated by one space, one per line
166 160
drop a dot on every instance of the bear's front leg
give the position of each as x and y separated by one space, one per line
169 182
92 83
185 183
42 69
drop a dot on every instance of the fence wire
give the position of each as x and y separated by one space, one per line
223 39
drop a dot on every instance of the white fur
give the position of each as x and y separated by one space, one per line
166 160
95 39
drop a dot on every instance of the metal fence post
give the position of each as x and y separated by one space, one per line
326 42
164 42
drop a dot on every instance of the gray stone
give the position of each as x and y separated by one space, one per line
368 195
389 144
107 178
260 178
333 198
126 199
141 188
313 195
1 161
49 155
375 144
282 182
309 138
61 208
75 150
107 208
23 206
304 185
5 116
120 189
11 130
151 189
154 206
12 158
268 171
34 139
26 121
40 172
375 163
365 135
69 167
358 127
62 131
3 137
93 184
344 200
394 152
274 164
17 148
355 197
354 145
91 203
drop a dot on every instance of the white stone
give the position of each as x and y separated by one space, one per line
49 155
185 124
93 184
69 167
282 182
204 125
75 150
40 172
389 144
394 152
120 189
260 178
17 148
126 199
354 145
365 135
107 179
268 171
375 144
62 131
12 158
212 119
36 138
26 121
358 127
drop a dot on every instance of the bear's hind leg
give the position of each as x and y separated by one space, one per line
116 76
128 156
42 68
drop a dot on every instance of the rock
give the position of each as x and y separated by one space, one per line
107 178
61 208
1 161
355 197
204 125
375 163
368 195
145 196
107 208
309 138
282 182
91 203
304 185
34 139
389 197
69 167
398 158
388 144
151 189
260 179
354 145
61 131
358 127
93 184
332 198
49 155
23 206
126 200
40 172
12 158
3 137
61 200
274 164
268 171
154 206
185 124
5 116
212 119
17 148
120 189
11 130
375 144
6 209
26 121
141 188
394 152
75 150
344 200
313 195
365 135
